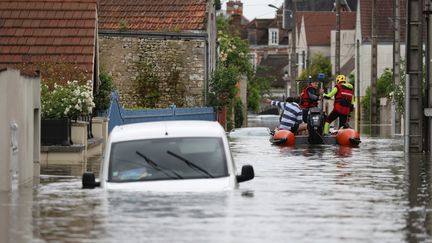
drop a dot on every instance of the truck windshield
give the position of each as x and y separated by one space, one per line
167 159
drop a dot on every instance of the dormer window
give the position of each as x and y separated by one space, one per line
273 37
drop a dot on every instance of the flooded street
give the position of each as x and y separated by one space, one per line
303 194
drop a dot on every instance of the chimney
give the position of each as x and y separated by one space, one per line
236 21
235 7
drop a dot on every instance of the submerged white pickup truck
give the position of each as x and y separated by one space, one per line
168 156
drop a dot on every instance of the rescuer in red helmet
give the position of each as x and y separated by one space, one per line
343 104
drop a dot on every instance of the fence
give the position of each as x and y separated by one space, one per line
119 116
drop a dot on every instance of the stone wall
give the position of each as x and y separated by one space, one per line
155 73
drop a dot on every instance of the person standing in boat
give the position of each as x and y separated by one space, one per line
343 104
309 98
292 115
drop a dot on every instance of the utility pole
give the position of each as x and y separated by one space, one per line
286 22
428 88
413 91
396 62
293 51
374 62
338 29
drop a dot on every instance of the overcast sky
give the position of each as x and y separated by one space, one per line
257 8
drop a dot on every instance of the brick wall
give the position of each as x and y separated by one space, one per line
170 71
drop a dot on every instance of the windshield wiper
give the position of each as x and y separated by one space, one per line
159 168
190 164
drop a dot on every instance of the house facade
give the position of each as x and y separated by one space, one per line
317 35
158 54
268 42
385 36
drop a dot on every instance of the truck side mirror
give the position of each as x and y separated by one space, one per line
89 180
247 173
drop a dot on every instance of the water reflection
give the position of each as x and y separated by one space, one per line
76 169
16 216
64 211
419 216
344 151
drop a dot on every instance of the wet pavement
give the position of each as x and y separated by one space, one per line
304 194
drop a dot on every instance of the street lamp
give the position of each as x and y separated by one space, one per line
285 9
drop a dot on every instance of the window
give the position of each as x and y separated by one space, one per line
273 37
167 159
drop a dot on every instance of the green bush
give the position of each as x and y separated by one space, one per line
319 64
223 86
385 88
102 98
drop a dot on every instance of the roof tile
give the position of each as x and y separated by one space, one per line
36 31
153 15
383 20
319 25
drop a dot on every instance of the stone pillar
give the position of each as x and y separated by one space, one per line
20 129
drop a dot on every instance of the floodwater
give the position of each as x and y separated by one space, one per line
305 194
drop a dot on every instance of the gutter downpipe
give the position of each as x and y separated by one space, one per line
428 88
207 72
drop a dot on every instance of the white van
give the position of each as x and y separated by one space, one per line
168 156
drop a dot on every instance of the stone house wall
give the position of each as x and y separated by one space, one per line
154 72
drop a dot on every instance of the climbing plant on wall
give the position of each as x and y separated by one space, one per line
158 77
61 72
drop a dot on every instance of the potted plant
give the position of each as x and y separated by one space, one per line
59 105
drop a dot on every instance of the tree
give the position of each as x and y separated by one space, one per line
384 89
218 5
233 64
398 91
257 87
319 64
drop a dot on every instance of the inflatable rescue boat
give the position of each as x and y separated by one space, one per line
344 136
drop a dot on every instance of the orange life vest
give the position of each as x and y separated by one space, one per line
343 99
306 102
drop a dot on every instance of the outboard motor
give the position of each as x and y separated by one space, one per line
315 125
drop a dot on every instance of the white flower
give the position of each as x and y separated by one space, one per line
67 100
